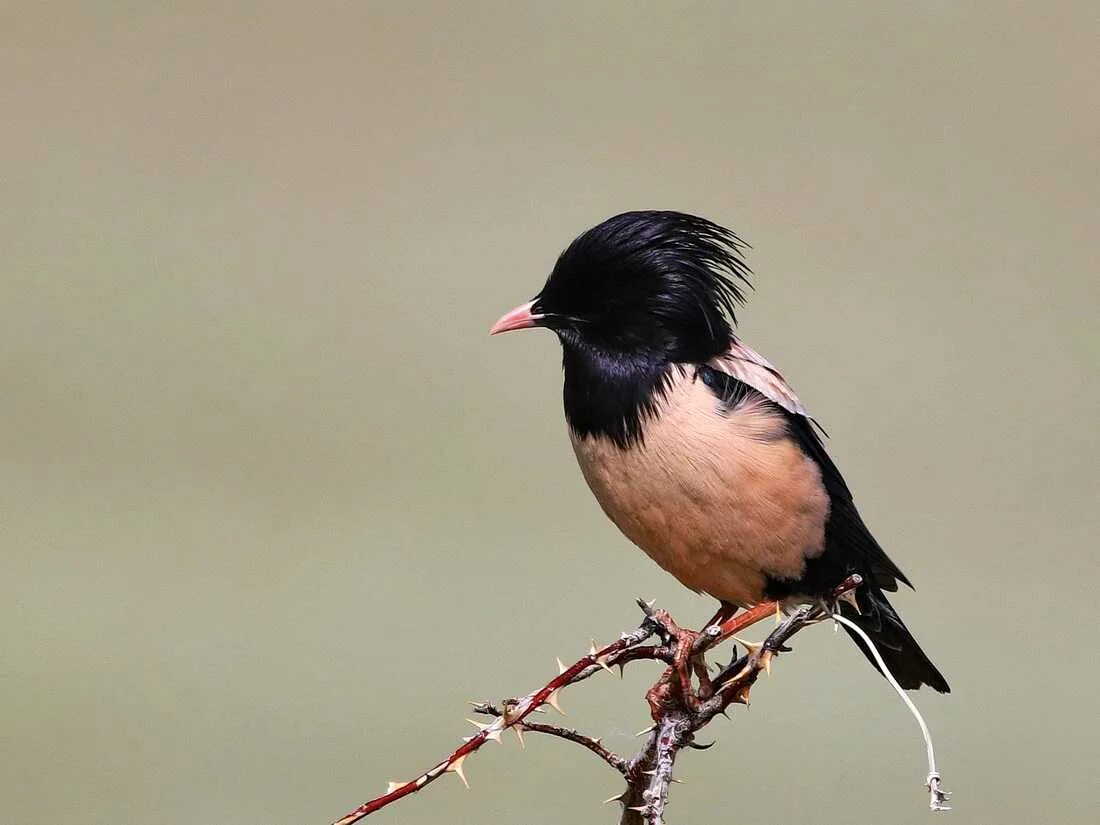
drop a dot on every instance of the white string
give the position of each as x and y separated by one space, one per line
937 796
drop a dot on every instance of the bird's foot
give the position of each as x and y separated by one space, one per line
725 612
675 687
686 662
661 696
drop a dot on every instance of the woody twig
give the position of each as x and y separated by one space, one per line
683 701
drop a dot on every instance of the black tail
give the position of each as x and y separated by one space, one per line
895 643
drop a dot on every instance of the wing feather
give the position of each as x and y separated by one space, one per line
750 367
845 533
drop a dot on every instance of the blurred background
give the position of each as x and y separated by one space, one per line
274 506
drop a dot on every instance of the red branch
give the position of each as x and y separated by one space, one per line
515 711
678 707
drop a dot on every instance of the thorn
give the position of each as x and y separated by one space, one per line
456 767
752 648
702 747
518 728
778 614
491 730
561 667
640 809
644 731
650 773
622 669
616 798
600 660
675 781
766 661
393 786
552 701
849 597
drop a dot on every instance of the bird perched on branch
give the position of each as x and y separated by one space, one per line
693 444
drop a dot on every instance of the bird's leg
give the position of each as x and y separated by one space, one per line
683 661
747 619
759 656
661 696
725 612
727 623
675 683
728 628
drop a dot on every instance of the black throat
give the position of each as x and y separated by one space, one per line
612 394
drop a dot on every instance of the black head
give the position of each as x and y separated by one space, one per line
660 282
629 299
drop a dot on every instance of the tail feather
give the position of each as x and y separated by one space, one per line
903 656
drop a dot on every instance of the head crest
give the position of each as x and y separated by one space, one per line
694 260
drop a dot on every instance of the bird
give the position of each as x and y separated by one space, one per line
694 444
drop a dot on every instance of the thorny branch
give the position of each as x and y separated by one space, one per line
682 701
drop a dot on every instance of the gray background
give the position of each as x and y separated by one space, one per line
274 506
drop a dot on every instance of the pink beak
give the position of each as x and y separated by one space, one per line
519 318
